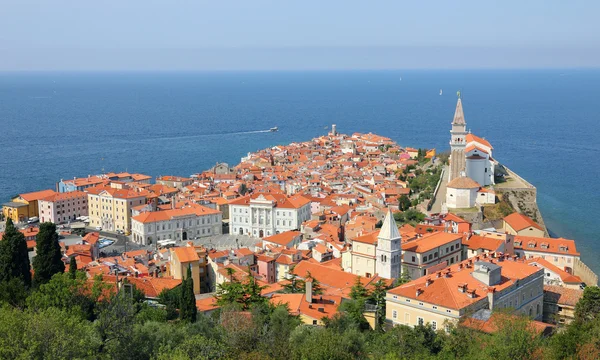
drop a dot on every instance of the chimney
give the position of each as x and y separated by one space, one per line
462 288
447 273
439 274
419 291
460 266
471 294
428 282
321 309
173 202
490 295
309 290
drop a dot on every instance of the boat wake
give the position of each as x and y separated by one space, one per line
181 137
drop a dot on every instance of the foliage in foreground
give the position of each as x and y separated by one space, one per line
74 318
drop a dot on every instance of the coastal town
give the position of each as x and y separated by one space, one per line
450 237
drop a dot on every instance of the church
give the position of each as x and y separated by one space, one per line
471 166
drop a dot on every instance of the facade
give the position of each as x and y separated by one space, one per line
261 215
80 184
190 222
519 224
110 208
288 239
63 207
559 304
485 282
182 258
431 252
24 206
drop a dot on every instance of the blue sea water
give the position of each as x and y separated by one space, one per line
542 124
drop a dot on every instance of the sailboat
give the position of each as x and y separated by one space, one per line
440 92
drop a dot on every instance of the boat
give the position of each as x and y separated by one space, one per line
273 129
440 92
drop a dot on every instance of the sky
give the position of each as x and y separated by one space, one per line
172 35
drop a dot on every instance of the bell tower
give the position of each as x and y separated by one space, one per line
388 251
457 142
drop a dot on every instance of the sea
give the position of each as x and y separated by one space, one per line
543 124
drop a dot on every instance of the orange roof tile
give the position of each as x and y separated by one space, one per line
519 222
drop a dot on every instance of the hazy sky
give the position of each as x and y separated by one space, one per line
287 34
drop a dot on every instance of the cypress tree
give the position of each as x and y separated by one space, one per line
48 258
187 306
73 268
14 259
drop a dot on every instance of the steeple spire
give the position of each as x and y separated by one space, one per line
389 230
459 116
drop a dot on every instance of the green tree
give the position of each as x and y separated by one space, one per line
14 258
588 307
404 276
243 189
377 298
170 298
404 203
73 267
187 307
275 339
48 258
196 347
358 291
14 292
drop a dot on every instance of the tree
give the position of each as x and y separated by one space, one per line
404 203
14 259
358 290
187 307
404 276
73 267
377 298
588 307
243 189
48 258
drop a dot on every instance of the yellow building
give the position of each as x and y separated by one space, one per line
183 258
519 224
484 282
110 208
25 206
559 304
364 250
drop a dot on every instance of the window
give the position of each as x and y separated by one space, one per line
407 300
314 322
420 321
421 303
434 307
414 259
394 314
434 325
447 328
448 311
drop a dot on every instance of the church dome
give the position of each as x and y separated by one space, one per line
463 182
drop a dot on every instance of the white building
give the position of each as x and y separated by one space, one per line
261 215
191 221
461 193
469 153
388 252
63 207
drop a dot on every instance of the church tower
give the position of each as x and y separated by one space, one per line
457 142
388 250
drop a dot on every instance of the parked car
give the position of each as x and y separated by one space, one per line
120 231
98 228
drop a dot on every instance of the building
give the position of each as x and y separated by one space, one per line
560 252
309 307
469 154
458 143
110 208
182 258
80 184
485 282
186 223
461 193
267 214
174 181
519 224
487 242
431 252
287 239
60 208
559 304
554 276
24 206
378 252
